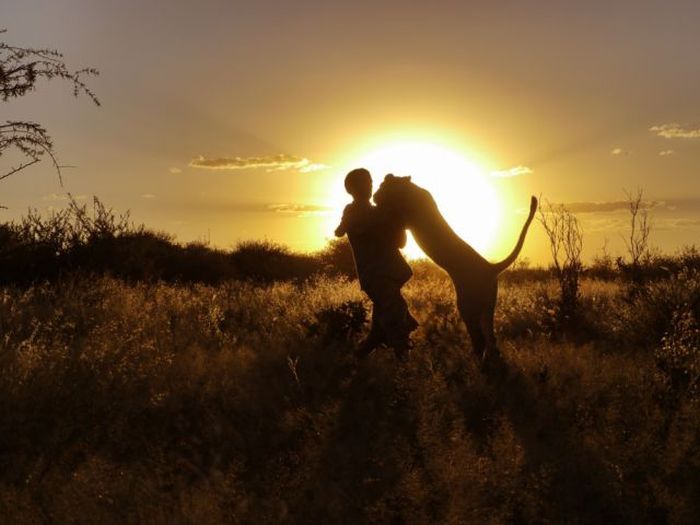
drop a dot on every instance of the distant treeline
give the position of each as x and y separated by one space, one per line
99 241
96 240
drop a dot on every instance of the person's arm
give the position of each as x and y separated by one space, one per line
342 228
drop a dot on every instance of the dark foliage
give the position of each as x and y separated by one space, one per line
341 322
98 241
268 262
565 237
130 400
337 258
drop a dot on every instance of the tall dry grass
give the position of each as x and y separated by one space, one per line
243 403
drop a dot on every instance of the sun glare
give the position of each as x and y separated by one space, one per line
461 189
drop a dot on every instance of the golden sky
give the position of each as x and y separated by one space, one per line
237 120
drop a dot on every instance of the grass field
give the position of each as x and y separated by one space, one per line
243 403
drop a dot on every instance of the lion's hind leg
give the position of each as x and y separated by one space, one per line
477 314
492 362
487 330
476 334
480 328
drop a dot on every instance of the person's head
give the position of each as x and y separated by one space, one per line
358 183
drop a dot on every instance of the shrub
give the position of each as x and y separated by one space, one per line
337 258
267 262
679 353
647 316
566 242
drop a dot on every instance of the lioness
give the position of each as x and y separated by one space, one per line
475 279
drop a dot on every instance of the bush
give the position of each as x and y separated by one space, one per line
647 316
268 262
102 242
679 353
337 258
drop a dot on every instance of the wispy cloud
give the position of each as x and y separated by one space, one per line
174 170
300 210
512 172
281 162
610 206
56 197
148 196
221 205
619 152
666 153
676 131
313 166
676 223
689 223
614 216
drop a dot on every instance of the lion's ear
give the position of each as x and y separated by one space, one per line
389 176
408 179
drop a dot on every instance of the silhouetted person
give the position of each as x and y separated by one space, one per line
375 237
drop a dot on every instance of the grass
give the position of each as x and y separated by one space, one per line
155 402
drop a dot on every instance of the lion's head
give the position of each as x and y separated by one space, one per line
401 197
391 195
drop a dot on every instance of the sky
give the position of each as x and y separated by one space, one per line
227 121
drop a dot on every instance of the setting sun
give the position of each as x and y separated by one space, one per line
460 187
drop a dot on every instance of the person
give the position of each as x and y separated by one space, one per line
375 238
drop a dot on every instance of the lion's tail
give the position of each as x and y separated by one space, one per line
505 263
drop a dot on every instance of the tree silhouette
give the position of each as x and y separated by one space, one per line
21 68
640 229
566 243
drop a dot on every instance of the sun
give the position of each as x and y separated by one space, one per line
461 189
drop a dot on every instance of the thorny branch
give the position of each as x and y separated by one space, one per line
20 70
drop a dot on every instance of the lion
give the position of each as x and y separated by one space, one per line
474 278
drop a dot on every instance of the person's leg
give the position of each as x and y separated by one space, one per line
411 322
376 336
397 320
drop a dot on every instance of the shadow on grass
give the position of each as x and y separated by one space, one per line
582 487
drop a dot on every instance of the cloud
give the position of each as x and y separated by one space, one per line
148 196
55 197
675 131
300 210
314 166
666 153
175 170
606 207
605 224
683 223
676 223
682 215
512 172
619 151
281 162
219 204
